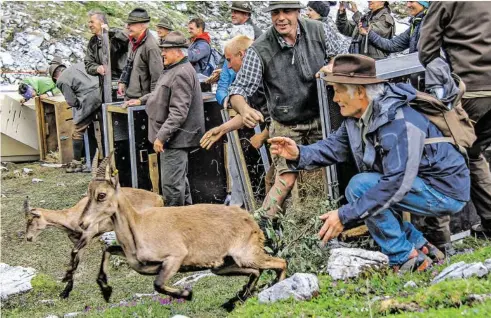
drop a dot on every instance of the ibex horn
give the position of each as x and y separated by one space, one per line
101 169
109 167
95 163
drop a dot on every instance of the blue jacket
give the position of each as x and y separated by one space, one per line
227 77
407 40
199 54
395 148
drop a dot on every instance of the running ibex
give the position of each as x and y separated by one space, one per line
164 241
38 219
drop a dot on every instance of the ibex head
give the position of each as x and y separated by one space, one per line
102 193
35 222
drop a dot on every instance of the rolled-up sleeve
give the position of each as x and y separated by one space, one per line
249 77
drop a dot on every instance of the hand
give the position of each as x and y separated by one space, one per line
158 146
284 147
225 102
132 102
251 117
325 69
105 27
342 8
210 137
258 140
352 7
22 100
332 226
101 70
43 96
363 31
214 77
121 89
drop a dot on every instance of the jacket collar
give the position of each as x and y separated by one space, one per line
184 60
203 36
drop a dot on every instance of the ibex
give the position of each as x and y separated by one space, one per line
164 241
38 219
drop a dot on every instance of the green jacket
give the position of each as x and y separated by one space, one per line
42 85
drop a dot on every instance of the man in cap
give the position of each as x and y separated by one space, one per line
284 60
94 62
82 93
144 63
176 118
241 15
399 170
163 28
461 29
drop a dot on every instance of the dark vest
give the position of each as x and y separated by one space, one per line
289 72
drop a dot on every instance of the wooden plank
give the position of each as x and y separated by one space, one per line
64 131
227 170
41 125
248 184
153 168
110 130
355 232
117 109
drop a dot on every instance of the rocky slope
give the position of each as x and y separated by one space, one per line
33 33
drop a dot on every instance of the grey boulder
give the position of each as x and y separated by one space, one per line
350 262
300 286
461 270
15 279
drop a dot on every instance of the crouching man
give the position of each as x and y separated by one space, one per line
397 170
82 93
176 118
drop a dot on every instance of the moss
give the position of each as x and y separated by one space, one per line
42 283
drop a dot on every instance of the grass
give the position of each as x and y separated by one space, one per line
49 256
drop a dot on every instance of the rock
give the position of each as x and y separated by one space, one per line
52 49
52 316
6 58
193 279
487 264
36 180
72 314
35 38
52 165
300 286
350 262
47 302
109 238
180 316
27 171
461 270
15 280
410 284
182 7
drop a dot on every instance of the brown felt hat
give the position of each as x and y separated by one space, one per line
353 69
275 5
175 39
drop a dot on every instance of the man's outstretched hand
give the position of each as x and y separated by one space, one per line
332 226
210 137
284 147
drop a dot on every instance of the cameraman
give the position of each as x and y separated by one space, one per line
378 19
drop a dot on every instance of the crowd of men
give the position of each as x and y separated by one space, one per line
404 162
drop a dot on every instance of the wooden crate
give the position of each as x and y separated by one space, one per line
55 127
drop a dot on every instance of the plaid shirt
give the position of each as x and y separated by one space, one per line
250 75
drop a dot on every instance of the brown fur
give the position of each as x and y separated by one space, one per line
171 239
68 219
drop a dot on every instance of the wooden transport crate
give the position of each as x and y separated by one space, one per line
55 127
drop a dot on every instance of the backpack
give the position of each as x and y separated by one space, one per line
455 125
213 61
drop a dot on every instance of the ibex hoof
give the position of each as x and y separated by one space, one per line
65 294
187 294
106 293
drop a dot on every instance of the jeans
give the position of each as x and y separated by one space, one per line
396 238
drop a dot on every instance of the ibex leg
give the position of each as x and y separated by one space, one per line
275 263
106 290
169 268
246 292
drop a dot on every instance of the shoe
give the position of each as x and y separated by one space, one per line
75 167
417 262
433 252
447 249
480 231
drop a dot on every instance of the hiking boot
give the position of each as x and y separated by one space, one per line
432 252
480 231
417 262
447 249
75 167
